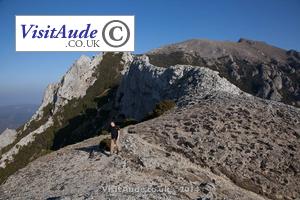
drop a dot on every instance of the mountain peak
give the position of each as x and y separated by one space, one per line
84 59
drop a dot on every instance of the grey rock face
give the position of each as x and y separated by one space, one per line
7 137
72 85
144 85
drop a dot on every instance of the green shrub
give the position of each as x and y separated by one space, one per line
104 132
161 108
128 121
105 144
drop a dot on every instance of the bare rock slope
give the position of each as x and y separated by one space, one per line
217 143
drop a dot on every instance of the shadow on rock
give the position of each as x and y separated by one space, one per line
92 149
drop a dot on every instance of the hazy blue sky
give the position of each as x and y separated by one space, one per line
24 75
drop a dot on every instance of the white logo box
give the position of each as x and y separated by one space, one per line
75 33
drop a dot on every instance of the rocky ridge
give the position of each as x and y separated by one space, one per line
255 67
242 147
144 85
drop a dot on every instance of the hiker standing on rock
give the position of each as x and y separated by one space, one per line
115 132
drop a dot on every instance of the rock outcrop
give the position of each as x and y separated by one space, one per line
72 85
7 137
144 85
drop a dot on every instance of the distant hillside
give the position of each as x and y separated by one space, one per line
255 67
15 115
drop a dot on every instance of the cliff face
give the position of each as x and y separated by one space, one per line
217 143
7 137
72 85
144 85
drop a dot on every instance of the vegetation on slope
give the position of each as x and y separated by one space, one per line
161 108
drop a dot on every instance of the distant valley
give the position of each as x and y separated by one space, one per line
13 116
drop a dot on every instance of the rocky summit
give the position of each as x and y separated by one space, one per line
189 130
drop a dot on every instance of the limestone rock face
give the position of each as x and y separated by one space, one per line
144 85
72 85
7 137
49 98
77 79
